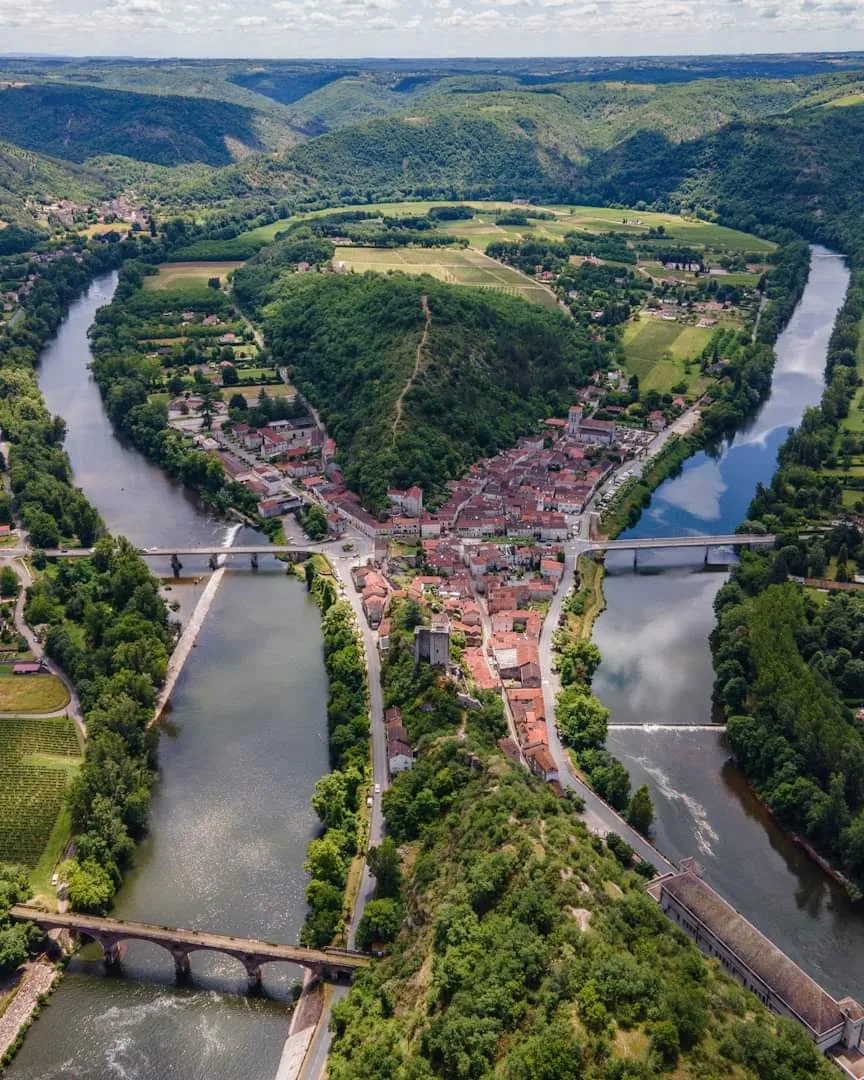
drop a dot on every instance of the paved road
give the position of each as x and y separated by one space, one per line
599 816
73 708
315 1062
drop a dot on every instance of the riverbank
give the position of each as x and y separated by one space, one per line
657 673
37 979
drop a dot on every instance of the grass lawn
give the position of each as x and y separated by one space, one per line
38 759
31 693
189 274
454 266
256 373
254 392
158 399
100 230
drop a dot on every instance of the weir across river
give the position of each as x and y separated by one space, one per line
111 934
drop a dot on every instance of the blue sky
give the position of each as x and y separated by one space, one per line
417 28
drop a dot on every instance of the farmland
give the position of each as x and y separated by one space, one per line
658 353
189 274
451 265
483 229
37 761
31 693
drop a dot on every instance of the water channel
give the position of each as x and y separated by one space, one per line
240 753
657 670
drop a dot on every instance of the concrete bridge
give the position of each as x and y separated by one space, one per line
213 553
112 934
661 543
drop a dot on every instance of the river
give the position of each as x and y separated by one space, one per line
657 670
240 752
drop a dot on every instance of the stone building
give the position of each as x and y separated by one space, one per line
723 933
432 643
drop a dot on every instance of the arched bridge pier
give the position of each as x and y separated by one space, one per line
331 965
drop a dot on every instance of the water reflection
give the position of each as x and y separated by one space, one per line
657 670
231 816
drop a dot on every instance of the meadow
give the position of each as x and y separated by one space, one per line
453 266
37 761
189 274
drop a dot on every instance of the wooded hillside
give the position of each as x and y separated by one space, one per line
406 410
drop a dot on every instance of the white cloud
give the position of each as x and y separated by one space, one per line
251 20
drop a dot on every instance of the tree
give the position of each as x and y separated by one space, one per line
43 529
385 865
9 583
229 375
89 887
582 719
238 402
325 861
664 1042
381 921
640 812
207 408
214 283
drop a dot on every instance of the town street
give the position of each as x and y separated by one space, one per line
599 816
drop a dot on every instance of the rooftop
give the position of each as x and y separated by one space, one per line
802 994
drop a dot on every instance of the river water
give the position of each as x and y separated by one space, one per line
657 670
240 752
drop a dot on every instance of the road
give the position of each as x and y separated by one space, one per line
315 1062
73 708
598 816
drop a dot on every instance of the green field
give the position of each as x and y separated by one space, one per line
657 351
854 422
455 266
37 761
482 229
188 274
274 390
31 693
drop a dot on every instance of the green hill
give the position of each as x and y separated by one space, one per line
411 407
77 123
25 174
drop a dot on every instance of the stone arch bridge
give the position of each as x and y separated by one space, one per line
111 934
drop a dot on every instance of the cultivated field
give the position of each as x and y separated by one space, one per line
452 265
657 352
184 274
31 693
37 761
482 229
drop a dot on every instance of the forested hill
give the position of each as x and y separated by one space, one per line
77 123
407 409
801 171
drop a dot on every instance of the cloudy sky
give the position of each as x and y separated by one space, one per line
350 28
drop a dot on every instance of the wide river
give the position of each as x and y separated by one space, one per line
240 752
657 670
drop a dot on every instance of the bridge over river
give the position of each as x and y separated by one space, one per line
297 553
111 934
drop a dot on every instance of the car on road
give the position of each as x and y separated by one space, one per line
377 789
369 800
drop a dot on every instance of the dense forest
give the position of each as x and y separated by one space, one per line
406 407
77 123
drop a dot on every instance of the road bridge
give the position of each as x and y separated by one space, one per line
112 934
665 543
